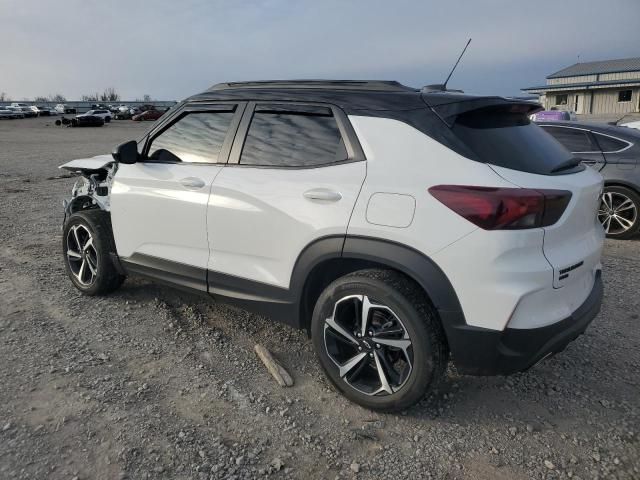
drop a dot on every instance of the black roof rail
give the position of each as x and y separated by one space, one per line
374 85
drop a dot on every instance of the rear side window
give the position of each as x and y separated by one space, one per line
281 136
609 144
510 140
574 140
195 138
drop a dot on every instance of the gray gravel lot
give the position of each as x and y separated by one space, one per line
150 382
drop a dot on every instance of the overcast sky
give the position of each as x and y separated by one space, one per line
171 49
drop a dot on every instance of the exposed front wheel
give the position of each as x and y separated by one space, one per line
86 245
618 213
378 339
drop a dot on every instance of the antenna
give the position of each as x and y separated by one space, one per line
454 67
443 87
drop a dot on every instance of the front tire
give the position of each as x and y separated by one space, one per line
619 212
87 242
378 339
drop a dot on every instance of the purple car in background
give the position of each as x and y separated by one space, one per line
553 116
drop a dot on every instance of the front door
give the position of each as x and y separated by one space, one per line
293 179
159 205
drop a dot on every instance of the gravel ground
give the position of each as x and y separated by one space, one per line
150 382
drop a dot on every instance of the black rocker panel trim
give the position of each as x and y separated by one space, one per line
284 304
166 271
278 303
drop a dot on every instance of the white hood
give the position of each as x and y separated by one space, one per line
94 163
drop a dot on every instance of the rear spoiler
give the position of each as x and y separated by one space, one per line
449 106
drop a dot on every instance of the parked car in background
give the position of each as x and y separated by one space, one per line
553 116
61 108
635 124
147 115
46 111
104 114
35 110
615 153
17 112
122 114
28 111
6 113
20 105
87 121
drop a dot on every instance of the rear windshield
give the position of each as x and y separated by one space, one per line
510 140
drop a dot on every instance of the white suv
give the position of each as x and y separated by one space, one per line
396 225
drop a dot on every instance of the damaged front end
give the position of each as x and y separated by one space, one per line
93 188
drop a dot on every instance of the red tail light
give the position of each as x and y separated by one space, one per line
504 208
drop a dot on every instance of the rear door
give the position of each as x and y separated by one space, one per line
159 205
580 142
293 176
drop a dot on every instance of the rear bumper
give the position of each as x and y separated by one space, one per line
480 351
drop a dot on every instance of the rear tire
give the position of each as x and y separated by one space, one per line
620 212
400 354
87 243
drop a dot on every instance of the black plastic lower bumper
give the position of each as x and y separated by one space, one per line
479 351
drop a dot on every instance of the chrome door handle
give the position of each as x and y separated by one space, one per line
192 182
323 194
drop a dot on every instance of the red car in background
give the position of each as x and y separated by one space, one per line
147 115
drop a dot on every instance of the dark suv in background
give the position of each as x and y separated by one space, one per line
614 152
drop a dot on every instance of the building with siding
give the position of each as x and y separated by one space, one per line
597 88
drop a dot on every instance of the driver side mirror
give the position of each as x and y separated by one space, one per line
126 153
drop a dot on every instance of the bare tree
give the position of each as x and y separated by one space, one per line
110 95
58 97
41 99
4 97
90 98
145 98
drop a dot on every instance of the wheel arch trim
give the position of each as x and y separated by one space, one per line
406 260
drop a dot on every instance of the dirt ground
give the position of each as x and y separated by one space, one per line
150 382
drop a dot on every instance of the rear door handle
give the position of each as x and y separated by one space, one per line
192 182
322 194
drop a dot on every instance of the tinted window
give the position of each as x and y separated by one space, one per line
510 140
285 138
608 144
196 137
624 95
574 140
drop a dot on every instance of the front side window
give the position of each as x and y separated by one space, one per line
561 99
282 136
196 138
624 96
573 139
